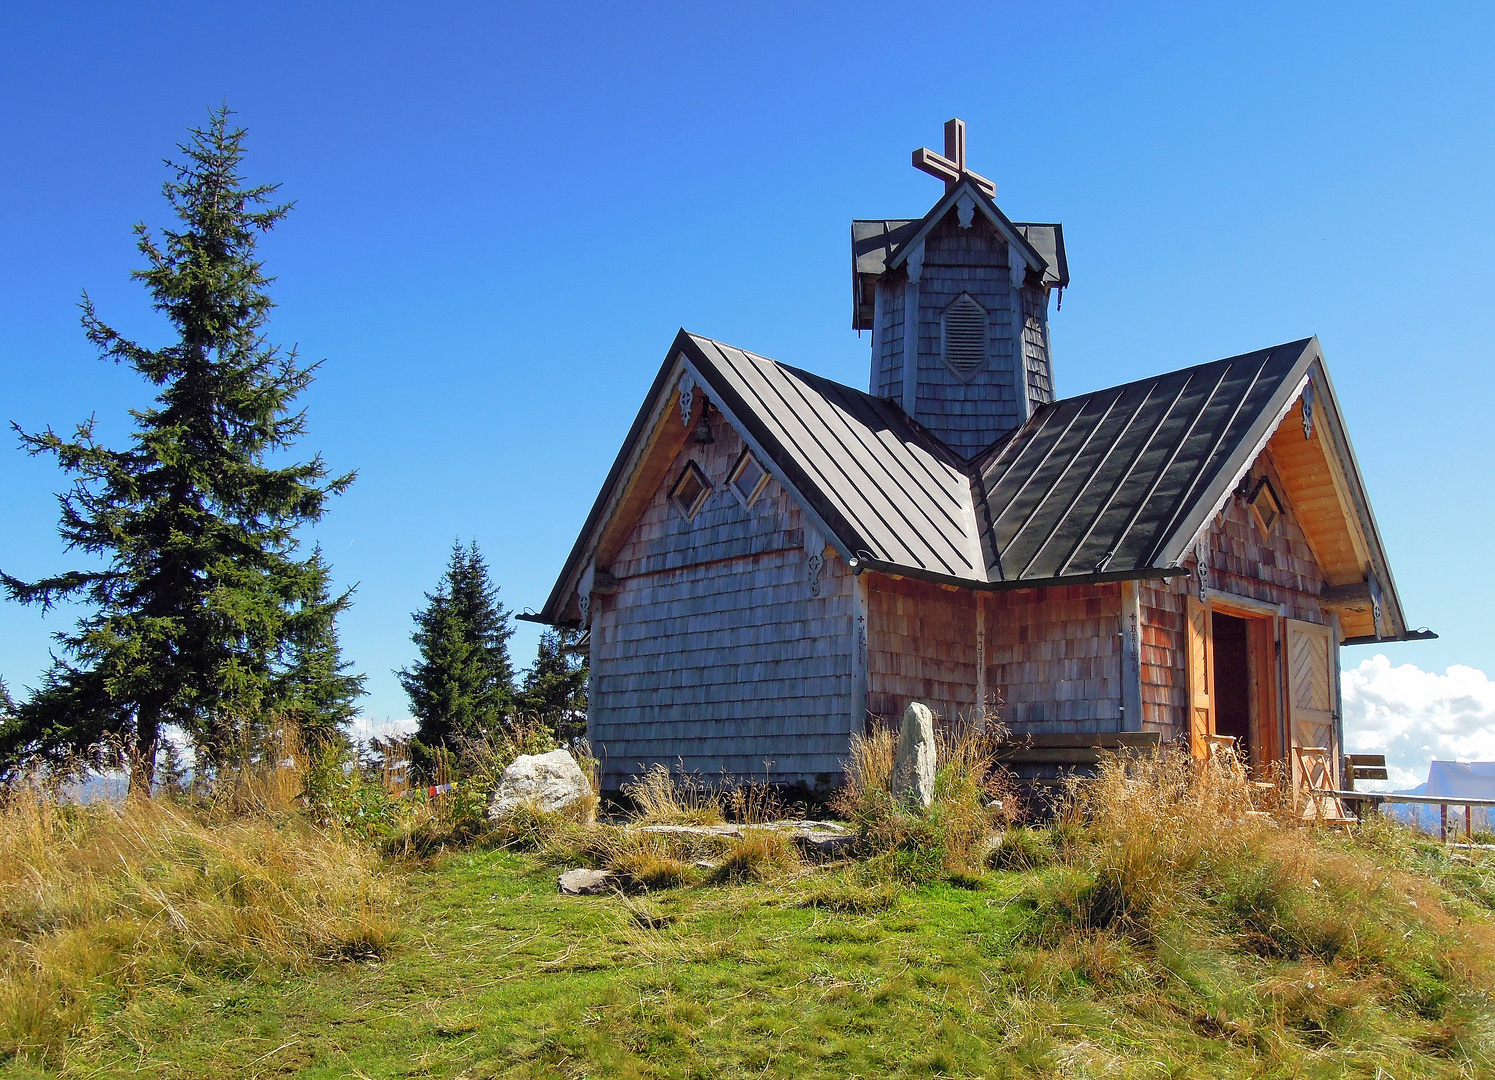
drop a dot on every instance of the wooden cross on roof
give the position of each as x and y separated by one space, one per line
951 166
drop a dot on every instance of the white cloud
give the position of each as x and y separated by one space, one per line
1413 716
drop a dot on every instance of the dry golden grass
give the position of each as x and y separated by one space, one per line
660 797
1171 862
115 898
973 798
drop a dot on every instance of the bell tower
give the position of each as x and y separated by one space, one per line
957 302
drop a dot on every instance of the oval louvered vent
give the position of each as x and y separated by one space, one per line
965 336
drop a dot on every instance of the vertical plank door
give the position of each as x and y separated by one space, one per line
1201 662
1310 691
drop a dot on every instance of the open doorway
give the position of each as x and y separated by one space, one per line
1232 669
1232 682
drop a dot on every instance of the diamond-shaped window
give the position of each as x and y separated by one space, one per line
748 478
690 491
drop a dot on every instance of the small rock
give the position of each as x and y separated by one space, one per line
583 882
914 763
548 782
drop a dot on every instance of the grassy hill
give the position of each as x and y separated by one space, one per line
1152 932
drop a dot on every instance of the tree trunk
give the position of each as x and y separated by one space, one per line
143 755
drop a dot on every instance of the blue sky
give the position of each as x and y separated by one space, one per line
504 213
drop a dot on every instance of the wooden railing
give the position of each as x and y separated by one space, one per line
1443 802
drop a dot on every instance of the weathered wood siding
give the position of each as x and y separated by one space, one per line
1055 657
887 364
967 413
921 646
713 654
1275 569
1036 354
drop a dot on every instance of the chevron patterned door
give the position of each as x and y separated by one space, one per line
1310 690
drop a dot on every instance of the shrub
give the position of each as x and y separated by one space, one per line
972 797
1023 849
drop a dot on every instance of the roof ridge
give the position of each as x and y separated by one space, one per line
1176 371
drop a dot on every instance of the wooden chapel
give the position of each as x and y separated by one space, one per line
776 559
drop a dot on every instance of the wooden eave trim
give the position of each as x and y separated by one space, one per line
989 209
1363 518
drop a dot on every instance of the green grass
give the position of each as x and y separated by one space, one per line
831 973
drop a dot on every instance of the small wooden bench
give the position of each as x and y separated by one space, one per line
1027 754
1363 767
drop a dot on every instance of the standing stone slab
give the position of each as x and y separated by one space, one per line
914 763
549 782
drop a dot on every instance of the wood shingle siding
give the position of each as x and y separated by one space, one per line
1054 656
1276 569
967 411
921 646
711 654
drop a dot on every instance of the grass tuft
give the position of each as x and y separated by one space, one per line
102 900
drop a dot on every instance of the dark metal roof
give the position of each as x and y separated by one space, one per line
1106 482
1108 485
873 243
1048 241
886 487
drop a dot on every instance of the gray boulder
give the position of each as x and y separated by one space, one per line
585 882
548 782
914 762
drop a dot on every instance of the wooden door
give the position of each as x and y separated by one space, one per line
1310 691
1201 664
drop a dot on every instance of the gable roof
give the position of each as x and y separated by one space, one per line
1123 478
1108 485
989 209
881 244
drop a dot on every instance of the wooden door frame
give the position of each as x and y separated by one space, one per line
1265 670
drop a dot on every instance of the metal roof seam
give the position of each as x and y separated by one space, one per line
1086 479
828 485
912 525
1205 471
1063 472
1162 472
1121 481
935 487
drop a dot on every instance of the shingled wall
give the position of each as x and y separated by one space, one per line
921 646
967 414
1055 657
713 654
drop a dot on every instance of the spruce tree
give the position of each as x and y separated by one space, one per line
315 691
462 685
195 530
555 686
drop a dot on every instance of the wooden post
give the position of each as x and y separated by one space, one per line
1131 656
980 662
858 654
1443 822
915 266
1469 825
